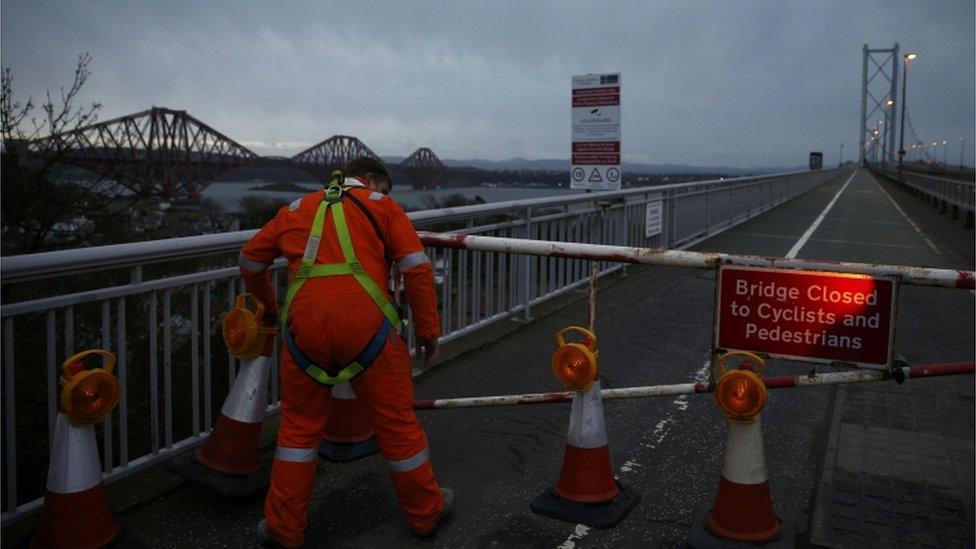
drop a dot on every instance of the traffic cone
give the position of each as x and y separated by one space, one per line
348 435
76 511
229 462
743 507
586 491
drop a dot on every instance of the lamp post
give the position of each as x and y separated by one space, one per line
884 137
904 85
841 162
945 152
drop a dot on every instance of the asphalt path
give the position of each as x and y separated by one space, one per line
654 326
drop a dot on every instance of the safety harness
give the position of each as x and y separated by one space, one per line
332 203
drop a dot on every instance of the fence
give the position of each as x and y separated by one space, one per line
954 192
157 304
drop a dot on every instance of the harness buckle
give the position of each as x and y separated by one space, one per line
304 270
357 267
333 194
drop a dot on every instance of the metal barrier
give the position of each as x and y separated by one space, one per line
955 192
110 297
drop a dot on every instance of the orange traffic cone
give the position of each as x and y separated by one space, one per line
229 462
348 435
743 507
76 511
586 491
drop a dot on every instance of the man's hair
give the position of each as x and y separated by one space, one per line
366 164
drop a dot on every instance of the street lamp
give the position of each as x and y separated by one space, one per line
841 162
904 84
945 152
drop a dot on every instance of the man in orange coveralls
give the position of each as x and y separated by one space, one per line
339 325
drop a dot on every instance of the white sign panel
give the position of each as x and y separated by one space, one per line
596 132
652 218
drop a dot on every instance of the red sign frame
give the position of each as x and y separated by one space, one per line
811 316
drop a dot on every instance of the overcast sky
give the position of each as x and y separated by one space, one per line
739 83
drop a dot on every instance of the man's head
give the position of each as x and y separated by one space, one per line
372 172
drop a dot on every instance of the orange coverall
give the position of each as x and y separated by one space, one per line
332 319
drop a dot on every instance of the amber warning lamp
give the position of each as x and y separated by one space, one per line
244 334
574 364
741 393
87 396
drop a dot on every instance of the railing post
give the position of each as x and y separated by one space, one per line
526 267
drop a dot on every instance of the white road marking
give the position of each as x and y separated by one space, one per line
816 223
903 214
578 534
831 240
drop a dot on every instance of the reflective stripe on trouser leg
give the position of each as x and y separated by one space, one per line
292 483
304 406
416 490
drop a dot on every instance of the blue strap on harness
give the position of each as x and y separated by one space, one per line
361 362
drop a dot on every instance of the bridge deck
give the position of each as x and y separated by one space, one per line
655 327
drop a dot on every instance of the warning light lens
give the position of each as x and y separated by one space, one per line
236 332
91 397
741 395
574 367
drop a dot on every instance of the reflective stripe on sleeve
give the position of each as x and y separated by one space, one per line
411 463
250 264
410 261
299 455
376 196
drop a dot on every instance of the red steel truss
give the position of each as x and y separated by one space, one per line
155 152
424 168
332 154
165 152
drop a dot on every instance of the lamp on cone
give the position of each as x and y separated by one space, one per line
586 492
229 462
348 435
743 506
76 512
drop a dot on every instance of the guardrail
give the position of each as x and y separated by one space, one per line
954 192
157 304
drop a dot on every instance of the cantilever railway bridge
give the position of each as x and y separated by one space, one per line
168 152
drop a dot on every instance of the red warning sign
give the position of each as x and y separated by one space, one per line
806 315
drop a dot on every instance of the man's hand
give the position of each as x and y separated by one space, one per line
429 348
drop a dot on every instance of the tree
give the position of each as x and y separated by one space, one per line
42 194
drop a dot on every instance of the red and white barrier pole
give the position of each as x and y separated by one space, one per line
919 276
780 382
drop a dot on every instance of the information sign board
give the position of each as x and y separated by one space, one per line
652 218
806 315
596 132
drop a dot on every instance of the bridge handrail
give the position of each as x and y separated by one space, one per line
18 268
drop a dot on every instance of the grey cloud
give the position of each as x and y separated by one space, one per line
741 83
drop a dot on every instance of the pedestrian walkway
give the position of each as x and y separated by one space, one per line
899 465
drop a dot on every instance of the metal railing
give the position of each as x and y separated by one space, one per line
954 192
157 304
